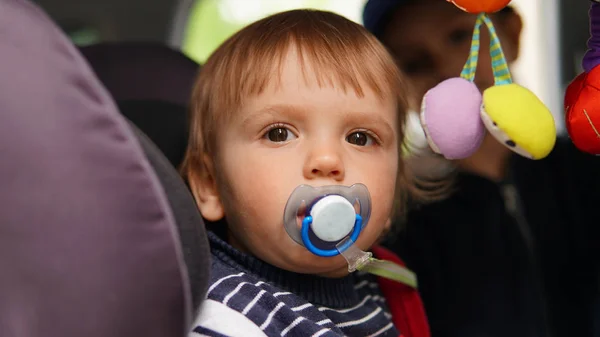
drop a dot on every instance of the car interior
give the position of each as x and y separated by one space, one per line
93 103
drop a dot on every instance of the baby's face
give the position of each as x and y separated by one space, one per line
297 133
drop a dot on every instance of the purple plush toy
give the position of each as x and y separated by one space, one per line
451 119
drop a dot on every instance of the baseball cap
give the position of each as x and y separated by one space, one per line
377 14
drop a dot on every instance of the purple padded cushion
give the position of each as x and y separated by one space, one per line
142 71
88 244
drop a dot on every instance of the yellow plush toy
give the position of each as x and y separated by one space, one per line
510 112
518 119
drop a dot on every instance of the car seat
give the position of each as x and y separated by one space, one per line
98 234
152 84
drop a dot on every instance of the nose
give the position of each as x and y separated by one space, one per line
444 65
449 67
324 162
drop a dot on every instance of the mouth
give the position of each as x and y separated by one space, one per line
301 214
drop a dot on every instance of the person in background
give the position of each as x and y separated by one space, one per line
514 250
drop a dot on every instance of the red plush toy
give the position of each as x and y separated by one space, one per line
582 107
582 98
480 6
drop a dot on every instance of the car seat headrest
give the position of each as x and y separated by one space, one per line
164 123
152 85
88 240
142 71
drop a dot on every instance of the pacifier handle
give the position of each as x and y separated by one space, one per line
304 232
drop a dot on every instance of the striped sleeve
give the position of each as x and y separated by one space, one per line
241 304
274 312
218 320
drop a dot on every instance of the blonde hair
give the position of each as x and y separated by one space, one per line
339 51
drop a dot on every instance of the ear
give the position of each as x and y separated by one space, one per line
388 226
205 191
511 26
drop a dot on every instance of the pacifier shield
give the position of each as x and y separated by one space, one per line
333 213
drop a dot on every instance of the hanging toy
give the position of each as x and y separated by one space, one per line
512 114
480 6
450 113
324 220
582 97
454 115
450 118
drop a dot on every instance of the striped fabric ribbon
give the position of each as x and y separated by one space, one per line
499 64
470 66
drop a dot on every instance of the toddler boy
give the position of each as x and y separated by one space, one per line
299 98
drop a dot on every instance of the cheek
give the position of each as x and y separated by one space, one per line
382 201
507 47
383 195
420 85
381 178
485 74
260 186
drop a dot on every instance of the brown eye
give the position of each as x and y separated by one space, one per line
279 135
418 66
460 36
359 138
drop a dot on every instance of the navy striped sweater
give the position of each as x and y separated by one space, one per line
248 297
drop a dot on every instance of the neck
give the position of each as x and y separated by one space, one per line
490 161
330 292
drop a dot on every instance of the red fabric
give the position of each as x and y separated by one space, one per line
406 307
480 6
582 106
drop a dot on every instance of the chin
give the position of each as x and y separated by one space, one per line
338 273
331 271
304 262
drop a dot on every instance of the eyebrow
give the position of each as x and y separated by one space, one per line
367 119
273 111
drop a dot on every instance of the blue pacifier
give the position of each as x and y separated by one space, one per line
325 220
329 217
